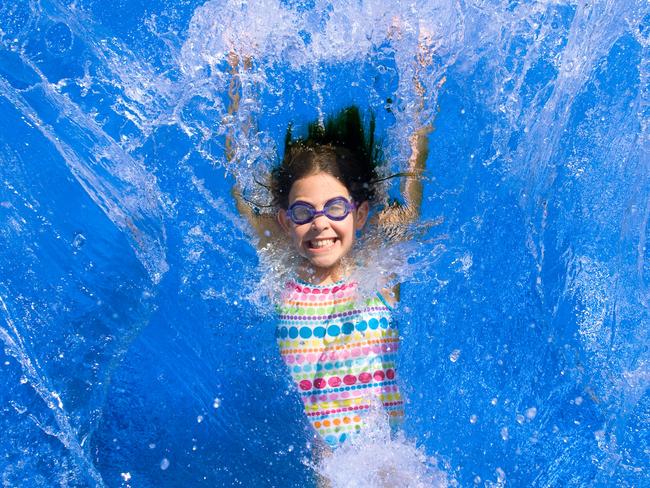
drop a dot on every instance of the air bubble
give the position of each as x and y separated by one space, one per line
164 464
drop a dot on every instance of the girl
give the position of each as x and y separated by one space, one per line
338 343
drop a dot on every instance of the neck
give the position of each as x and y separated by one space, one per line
322 276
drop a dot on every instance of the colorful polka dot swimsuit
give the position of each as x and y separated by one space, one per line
341 353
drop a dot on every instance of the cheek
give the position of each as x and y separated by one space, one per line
296 234
346 230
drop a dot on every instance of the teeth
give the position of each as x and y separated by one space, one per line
322 243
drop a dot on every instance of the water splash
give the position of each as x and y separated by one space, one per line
376 459
538 166
297 49
62 428
116 181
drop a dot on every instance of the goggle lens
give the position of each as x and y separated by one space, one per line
335 209
301 213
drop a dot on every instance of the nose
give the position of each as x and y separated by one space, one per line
320 222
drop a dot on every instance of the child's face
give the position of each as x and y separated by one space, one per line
322 241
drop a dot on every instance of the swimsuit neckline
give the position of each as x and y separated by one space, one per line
329 285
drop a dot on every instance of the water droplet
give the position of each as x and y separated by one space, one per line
199 419
164 464
455 354
125 476
473 419
531 413
504 433
216 403
152 445
78 241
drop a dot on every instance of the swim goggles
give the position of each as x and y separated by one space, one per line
335 209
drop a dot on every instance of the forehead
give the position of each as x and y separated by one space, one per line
317 189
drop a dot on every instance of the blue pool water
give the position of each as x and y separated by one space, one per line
138 347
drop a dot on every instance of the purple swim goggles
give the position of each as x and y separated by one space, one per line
335 209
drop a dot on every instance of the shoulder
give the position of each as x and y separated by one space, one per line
289 300
389 295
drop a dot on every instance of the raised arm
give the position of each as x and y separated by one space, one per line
411 187
264 224
395 219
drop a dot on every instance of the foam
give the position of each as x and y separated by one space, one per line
376 459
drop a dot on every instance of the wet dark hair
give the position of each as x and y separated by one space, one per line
341 148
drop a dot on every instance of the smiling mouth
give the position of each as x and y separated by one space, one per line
321 243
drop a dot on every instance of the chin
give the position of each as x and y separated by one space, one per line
324 264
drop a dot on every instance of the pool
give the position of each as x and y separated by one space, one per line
138 345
